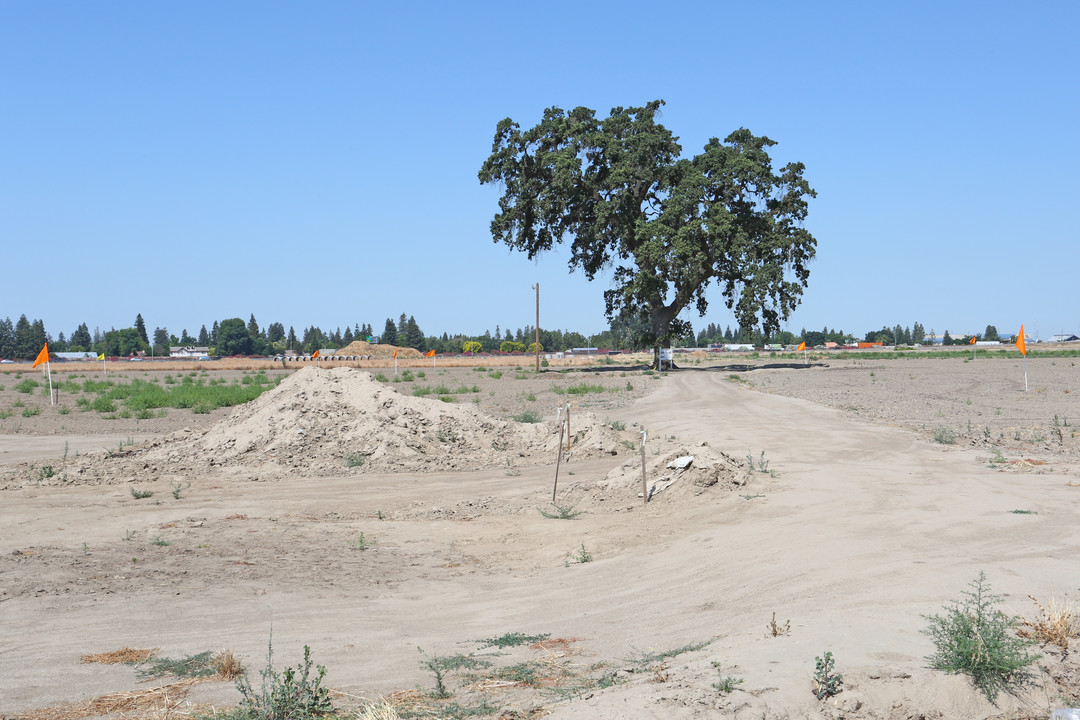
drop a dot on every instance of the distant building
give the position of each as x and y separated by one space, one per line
64 356
1068 337
188 351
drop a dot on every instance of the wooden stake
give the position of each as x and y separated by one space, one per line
558 461
567 426
644 482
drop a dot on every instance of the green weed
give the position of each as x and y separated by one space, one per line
827 682
976 638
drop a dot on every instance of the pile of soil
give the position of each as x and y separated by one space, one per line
672 476
362 347
321 422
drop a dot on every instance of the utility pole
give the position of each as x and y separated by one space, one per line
537 288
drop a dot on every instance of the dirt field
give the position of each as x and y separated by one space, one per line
368 524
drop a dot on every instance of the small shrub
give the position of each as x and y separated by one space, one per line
1056 623
31 412
581 555
290 695
776 629
177 488
362 543
141 494
976 638
527 416
827 682
726 684
160 541
355 459
561 512
943 436
26 386
617 425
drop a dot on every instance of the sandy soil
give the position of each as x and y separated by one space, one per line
861 525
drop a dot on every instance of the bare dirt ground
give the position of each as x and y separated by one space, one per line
367 524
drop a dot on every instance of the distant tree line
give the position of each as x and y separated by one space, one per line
24 338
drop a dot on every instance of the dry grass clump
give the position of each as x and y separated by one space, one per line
1056 624
155 702
123 655
228 666
382 710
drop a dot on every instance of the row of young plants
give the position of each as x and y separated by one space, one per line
141 397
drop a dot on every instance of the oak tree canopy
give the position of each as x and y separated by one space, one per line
667 227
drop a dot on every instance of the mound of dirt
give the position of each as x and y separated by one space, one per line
362 347
321 422
670 477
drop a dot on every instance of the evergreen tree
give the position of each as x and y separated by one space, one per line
140 328
80 339
204 337
414 337
291 341
991 334
185 339
213 333
161 341
389 333
275 332
253 327
347 338
7 338
24 340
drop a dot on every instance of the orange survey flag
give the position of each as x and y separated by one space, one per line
431 353
315 354
802 346
395 353
972 340
42 357
1020 344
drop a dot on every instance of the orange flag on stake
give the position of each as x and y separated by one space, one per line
972 340
395 353
42 357
802 346
1020 344
314 354
431 353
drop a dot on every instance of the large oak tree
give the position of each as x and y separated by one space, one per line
619 192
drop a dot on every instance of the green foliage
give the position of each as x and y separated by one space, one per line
561 512
827 682
976 638
178 488
233 338
362 543
26 386
290 695
618 191
581 555
643 660
472 346
617 425
527 416
943 436
512 639
193 666
726 684
585 389
141 494
355 459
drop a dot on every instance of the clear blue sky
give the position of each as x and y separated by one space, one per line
315 163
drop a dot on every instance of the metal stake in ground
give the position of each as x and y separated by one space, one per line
558 461
644 483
